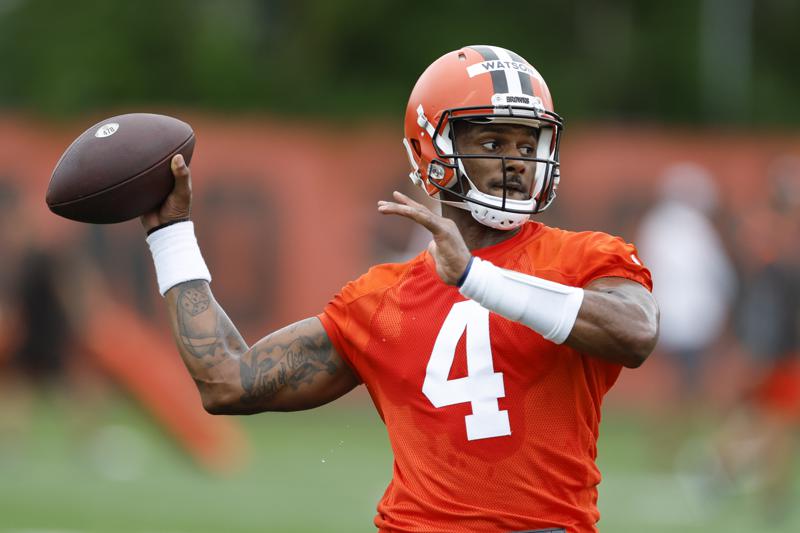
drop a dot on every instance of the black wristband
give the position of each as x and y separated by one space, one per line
463 277
165 224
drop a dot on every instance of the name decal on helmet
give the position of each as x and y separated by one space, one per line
491 66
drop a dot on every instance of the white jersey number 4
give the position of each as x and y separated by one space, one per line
482 386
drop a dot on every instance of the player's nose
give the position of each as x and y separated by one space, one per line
516 166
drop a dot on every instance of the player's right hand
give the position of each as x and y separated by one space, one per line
178 205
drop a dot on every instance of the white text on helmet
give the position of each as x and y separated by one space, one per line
489 66
501 99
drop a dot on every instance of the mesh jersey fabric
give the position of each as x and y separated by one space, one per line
542 474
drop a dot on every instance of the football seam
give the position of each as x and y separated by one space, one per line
102 191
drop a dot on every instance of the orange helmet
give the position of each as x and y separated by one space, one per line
481 84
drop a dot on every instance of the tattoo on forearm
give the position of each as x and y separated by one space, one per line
205 331
290 357
193 301
265 370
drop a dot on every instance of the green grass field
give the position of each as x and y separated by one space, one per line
322 470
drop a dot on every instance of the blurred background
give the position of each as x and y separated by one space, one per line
683 136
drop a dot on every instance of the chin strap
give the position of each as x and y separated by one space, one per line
497 218
494 217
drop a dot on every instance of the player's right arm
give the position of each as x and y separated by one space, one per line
291 369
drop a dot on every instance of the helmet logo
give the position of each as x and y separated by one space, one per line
508 99
502 99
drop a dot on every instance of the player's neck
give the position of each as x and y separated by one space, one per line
475 234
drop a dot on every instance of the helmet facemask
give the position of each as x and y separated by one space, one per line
498 212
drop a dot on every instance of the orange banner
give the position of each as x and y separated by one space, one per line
285 212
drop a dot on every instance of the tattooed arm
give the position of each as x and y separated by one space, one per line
294 368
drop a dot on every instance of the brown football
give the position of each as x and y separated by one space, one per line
119 168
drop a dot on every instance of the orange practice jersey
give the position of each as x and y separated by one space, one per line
492 427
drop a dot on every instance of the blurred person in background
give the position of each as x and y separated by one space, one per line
61 341
757 443
487 356
696 280
36 333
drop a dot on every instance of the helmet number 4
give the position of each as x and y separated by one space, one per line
482 386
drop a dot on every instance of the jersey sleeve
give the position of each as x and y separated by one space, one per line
335 318
347 317
602 255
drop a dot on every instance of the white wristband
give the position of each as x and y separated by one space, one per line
546 307
177 256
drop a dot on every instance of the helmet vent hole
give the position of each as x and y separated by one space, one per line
462 56
417 149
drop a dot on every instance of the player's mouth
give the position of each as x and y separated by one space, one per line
514 188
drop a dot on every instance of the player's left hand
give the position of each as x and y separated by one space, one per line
447 248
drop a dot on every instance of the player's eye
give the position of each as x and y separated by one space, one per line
526 150
491 146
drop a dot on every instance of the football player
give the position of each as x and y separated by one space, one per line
487 355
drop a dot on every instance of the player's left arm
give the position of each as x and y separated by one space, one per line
617 320
612 318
